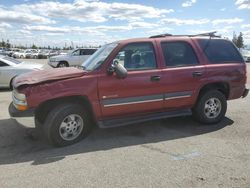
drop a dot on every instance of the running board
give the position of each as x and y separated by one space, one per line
138 119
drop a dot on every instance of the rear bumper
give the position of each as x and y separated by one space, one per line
245 93
26 118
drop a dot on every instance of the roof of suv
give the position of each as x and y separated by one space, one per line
210 35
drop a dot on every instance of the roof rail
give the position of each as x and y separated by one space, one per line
161 35
209 34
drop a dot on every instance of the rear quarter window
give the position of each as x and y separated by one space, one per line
220 51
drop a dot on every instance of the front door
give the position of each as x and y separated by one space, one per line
141 91
4 74
85 54
75 58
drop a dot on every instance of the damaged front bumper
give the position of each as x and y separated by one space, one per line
25 118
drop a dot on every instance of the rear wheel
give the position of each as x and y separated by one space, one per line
211 107
66 124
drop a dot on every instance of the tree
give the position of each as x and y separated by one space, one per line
234 40
34 46
2 44
238 40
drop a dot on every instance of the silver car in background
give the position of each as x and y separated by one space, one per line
74 58
246 55
9 68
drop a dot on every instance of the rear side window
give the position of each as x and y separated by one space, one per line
220 51
178 54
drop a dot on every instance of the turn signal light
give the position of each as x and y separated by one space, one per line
21 107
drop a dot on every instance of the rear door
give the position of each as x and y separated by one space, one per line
141 91
182 74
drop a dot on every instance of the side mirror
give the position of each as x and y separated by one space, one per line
119 69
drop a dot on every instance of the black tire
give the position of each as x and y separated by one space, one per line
201 112
11 86
57 116
38 127
63 64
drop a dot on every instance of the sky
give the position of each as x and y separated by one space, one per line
96 22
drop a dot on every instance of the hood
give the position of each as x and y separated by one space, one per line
29 65
35 77
59 56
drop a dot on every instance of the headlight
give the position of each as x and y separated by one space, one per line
19 100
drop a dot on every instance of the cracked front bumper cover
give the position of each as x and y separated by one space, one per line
25 118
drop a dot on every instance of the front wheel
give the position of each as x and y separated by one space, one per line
66 125
62 64
211 107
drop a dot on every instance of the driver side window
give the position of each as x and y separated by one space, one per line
137 56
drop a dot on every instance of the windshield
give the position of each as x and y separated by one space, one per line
12 60
98 57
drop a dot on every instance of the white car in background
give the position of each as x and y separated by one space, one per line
10 68
246 55
24 53
74 58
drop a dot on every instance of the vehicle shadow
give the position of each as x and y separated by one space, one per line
17 144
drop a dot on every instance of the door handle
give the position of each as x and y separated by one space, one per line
155 78
197 74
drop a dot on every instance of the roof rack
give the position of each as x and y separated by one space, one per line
209 34
161 35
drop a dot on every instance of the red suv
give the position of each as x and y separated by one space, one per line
132 81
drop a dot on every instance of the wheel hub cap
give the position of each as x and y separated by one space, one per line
71 127
212 108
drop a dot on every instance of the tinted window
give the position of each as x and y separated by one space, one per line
219 51
2 64
178 54
88 51
137 56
